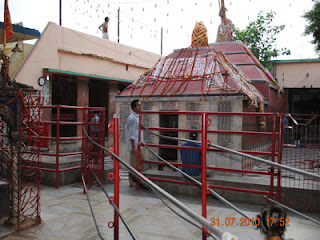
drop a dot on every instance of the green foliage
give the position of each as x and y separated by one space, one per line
259 36
313 18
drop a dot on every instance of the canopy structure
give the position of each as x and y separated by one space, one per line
20 33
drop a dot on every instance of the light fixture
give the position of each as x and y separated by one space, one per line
41 81
16 49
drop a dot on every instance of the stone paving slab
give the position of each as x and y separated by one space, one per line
66 215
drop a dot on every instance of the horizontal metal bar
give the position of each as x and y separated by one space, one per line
63 123
210 113
212 168
63 107
212 186
242 132
174 147
61 154
60 170
273 164
245 151
212 131
61 138
241 190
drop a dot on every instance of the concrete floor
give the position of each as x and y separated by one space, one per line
66 215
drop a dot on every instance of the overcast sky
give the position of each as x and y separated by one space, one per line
141 20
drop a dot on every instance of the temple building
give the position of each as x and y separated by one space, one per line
219 77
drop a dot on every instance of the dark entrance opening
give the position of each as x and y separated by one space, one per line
99 97
64 92
303 100
168 121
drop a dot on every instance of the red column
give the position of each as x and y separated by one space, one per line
57 146
116 178
273 146
279 156
203 171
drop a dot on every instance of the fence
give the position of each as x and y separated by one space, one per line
65 124
239 131
269 140
20 126
301 149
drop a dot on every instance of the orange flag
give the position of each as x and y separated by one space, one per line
7 25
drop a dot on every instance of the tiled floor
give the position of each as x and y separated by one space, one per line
66 215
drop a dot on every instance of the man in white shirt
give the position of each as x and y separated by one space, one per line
132 137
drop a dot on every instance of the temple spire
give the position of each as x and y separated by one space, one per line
225 29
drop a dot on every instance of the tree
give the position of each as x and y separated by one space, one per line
313 18
260 38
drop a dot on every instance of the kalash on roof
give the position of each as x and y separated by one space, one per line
225 67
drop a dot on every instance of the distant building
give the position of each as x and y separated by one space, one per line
74 68
300 81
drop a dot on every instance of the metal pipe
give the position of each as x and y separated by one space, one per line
284 167
203 170
280 156
57 146
105 192
215 231
92 213
290 169
116 178
273 146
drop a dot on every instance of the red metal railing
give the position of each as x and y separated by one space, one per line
245 133
95 127
301 149
78 120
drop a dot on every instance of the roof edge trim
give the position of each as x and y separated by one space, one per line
86 75
297 60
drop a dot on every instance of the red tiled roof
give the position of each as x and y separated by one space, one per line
235 56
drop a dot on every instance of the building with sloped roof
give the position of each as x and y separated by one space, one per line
218 77
77 69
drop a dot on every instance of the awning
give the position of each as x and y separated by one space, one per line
20 33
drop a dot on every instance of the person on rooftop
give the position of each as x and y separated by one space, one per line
104 28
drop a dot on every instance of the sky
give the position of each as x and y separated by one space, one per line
141 20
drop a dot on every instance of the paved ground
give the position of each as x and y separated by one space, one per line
66 215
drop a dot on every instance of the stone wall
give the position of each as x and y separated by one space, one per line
186 121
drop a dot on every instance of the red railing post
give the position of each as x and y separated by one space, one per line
279 156
203 171
273 146
57 146
84 146
116 178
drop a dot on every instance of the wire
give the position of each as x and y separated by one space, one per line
92 213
